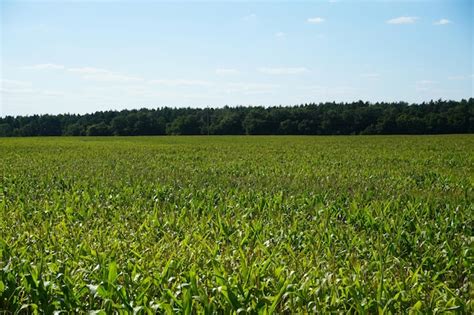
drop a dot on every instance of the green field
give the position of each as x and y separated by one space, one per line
237 224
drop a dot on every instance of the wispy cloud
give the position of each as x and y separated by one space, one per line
52 93
326 91
460 77
4 90
425 82
44 66
250 17
424 85
14 83
250 88
88 73
227 71
111 77
180 82
370 75
315 20
443 22
14 87
97 74
279 71
280 35
39 28
87 70
403 20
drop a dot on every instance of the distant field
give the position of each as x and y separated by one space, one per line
237 224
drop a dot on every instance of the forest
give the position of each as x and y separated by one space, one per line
331 118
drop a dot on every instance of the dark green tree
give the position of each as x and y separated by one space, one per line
100 129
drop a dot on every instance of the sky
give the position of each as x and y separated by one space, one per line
87 56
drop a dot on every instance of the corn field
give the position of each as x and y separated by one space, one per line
237 225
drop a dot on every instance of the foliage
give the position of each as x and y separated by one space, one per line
372 224
440 117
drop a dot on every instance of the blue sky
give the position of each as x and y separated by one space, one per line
80 57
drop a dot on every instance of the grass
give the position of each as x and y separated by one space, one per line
255 225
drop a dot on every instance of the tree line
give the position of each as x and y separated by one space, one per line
435 117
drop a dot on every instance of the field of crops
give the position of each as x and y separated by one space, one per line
237 224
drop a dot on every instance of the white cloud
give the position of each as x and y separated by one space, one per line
111 77
18 88
460 77
87 70
424 85
37 28
278 71
457 77
97 74
442 22
227 71
250 88
403 20
370 75
7 90
88 73
45 66
425 82
315 20
326 91
14 83
15 87
52 93
280 34
180 82
118 91
250 17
